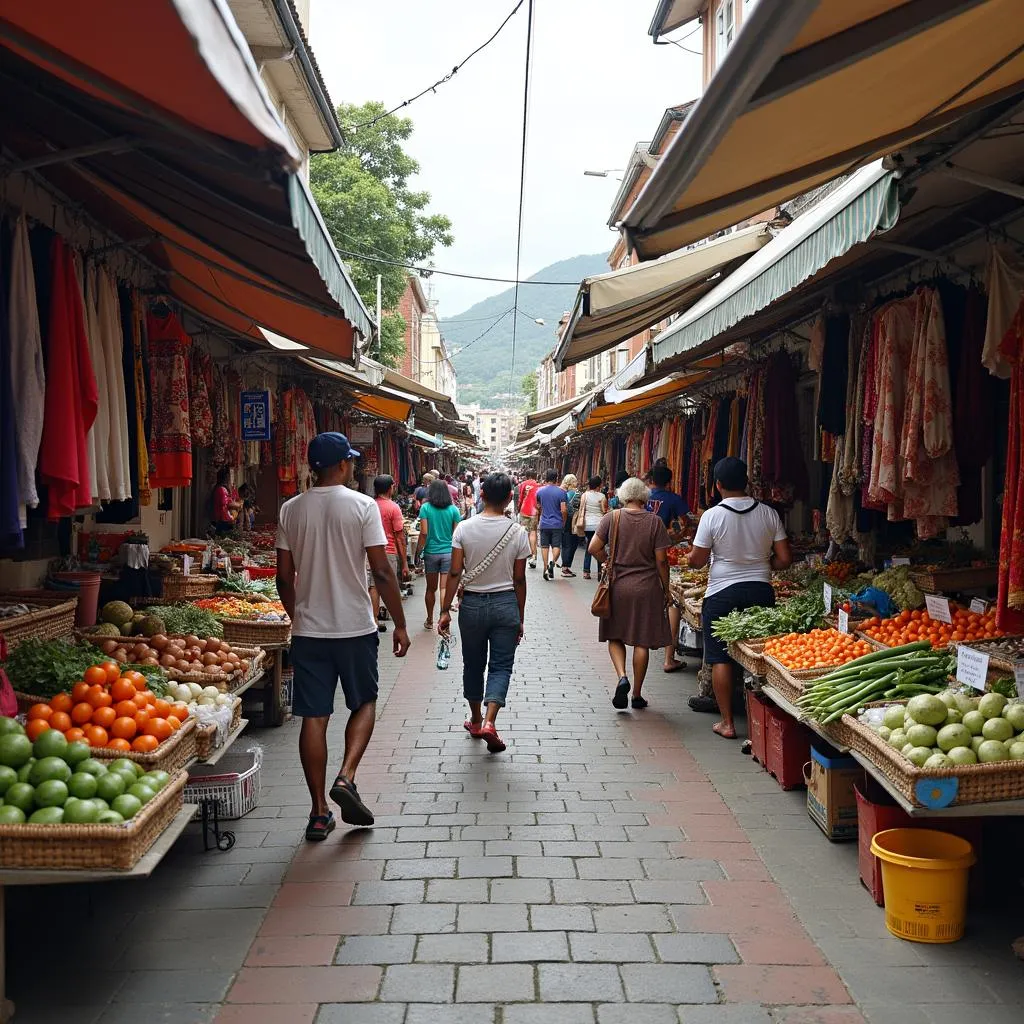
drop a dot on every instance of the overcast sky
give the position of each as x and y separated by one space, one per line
599 86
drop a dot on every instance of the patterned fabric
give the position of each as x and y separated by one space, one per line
221 402
141 399
200 407
171 441
1010 609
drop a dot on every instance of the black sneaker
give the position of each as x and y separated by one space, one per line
353 810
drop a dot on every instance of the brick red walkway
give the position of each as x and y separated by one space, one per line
590 875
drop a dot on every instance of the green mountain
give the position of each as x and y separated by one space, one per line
483 361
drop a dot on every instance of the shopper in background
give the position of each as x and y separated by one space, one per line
394 533
553 505
489 558
438 518
324 538
223 508
639 590
595 507
672 510
249 510
526 506
744 541
620 478
569 539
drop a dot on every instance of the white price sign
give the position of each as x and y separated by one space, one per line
245 576
971 667
844 621
938 608
979 605
900 561
186 563
826 593
1018 678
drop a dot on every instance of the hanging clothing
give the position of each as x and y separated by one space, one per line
171 440
71 394
1004 282
930 476
10 518
27 367
115 450
783 469
834 375
1010 604
199 407
96 440
142 407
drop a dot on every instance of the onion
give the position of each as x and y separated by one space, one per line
120 656
167 660
149 661
192 640
159 641
193 653
108 646
211 646
209 659
183 666
234 658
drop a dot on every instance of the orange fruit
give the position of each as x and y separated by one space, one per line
137 679
180 711
39 711
62 702
113 670
119 744
158 727
145 744
61 721
74 733
161 709
95 675
149 695
96 736
174 722
125 708
124 728
35 727
140 701
79 692
99 697
122 689
140 718
81 713
104 717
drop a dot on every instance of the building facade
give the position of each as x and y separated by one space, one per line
495 429
412 306
436 368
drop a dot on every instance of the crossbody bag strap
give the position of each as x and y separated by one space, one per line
611 546
471 574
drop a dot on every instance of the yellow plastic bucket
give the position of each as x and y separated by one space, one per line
924 875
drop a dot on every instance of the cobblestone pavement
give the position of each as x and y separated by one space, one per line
607 869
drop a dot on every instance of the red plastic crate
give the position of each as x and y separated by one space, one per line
788 748
877 811
756 705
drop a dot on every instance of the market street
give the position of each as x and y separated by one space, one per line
605 859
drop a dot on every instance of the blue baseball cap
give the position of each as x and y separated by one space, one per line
329 449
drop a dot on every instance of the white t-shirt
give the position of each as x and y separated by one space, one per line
593 502
477 537
327 530
741 545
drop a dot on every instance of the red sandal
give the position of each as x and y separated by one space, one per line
495 744
473 730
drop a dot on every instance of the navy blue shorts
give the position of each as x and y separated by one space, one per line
551 538
738 597
319 663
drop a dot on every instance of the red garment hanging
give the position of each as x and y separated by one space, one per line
170 442
71 394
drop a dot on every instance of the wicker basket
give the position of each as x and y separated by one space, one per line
976 783
95 847
937 581
788 682
207 735
51 617
256 634
691 612
171 756
183 588
750 655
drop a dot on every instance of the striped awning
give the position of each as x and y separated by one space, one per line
864 205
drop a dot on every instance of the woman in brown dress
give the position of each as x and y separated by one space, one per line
639 617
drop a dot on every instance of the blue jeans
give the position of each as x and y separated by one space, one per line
488 621
587 556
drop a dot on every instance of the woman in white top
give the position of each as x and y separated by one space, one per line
744 541
489 556
595 507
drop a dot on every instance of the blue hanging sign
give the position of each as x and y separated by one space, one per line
255 415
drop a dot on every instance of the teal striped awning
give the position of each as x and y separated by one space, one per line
864 205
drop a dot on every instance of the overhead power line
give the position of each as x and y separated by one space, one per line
427 271
441 81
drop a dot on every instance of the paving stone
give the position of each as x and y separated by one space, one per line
574 983
429 867
425 983
458 890
643 917
504 983
461 948
748 983
668 983
553 1013
575 891
521 890
423 919
360 1013
171 1013
557 918
486 917
734 1013
610 947
291 985
468 1013
528 947
167 986
485 867
288 951
545 867
695 948
636 1013
376 949
391 893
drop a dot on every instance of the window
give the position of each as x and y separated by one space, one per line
725 29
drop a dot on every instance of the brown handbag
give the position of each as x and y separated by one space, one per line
601 606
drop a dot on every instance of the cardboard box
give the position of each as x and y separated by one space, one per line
831 795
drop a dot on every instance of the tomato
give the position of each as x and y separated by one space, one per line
34 728
124 728
81 714
174 722
99 697
95 675
161 709
119 744
61 721
104 717
96 736
145 744
41 712
122 689
74 733
180 711
140 718
112 669
125 708
62 702
79 692
158 727
140 701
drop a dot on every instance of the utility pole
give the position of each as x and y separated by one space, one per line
378 314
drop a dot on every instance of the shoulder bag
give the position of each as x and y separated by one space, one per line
579 521
601 606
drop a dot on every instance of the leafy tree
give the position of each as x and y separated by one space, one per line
528 386
363 193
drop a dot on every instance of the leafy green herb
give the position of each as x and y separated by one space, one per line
796 615
187 619
44 668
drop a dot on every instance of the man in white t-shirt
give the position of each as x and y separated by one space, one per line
744 541
325 537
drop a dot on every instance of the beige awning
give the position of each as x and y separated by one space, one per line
611 308
819 89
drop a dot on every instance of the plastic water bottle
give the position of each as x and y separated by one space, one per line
444 653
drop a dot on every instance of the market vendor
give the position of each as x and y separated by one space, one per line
744 541
224 508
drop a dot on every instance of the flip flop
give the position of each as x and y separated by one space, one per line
621 698
473 730
319 827
676 667
495 744
639 703
719 729
353 810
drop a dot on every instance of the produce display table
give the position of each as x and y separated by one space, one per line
783 704
31 876
271 682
